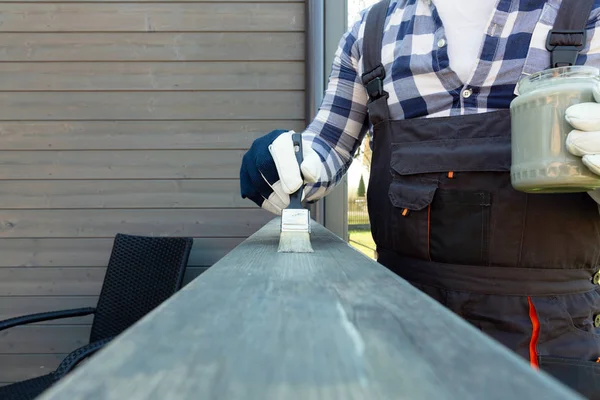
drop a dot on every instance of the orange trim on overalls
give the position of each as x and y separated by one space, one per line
451 174
535 333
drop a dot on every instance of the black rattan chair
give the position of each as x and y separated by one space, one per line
142 273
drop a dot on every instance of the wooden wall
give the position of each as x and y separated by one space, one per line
128 117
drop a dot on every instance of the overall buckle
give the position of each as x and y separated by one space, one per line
375 88
373 81
564 55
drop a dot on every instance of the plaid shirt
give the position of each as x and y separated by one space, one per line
418 78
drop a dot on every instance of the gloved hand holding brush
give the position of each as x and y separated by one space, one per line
270 172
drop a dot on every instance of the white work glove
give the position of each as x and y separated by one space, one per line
270 171
584 139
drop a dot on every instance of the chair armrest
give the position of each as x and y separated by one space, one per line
76 356
47 316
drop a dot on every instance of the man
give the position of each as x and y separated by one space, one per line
435 80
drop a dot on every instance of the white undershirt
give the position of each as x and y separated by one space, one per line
464 22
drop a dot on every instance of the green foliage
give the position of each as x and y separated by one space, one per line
360 192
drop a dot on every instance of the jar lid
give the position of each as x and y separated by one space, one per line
552 75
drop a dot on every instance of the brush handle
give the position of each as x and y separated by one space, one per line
296 197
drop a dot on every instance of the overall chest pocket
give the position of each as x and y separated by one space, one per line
448 226
457 211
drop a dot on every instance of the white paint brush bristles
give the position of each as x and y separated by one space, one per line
295 231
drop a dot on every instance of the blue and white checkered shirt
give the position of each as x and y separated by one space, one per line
418 78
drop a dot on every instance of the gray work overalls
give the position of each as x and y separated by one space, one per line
523 268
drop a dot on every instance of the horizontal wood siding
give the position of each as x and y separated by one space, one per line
25 366
154 17
93 252
157 46
52 281
128 135
152 76
128 116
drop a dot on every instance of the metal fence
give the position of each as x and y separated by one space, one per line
358 216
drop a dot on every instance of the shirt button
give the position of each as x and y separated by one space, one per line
467 93
441 42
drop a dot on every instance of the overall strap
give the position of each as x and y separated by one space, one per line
568 36
374 72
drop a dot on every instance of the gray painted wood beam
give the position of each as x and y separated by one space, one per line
328 325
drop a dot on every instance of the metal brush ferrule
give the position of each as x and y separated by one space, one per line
295 220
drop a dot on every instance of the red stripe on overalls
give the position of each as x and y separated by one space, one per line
535 333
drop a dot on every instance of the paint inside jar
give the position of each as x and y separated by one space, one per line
541 162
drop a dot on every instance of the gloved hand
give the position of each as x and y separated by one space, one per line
270 172
584 140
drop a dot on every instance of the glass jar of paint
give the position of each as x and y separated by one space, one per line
541 162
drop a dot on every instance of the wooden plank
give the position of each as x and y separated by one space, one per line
61 282
162 1
137 135
154 222
332 324
86 76
150 164
44 339
16 306
158 46
18 367
51 281
52 252
94 252
67 194
151 17
151 105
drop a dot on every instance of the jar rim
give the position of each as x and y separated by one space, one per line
551 74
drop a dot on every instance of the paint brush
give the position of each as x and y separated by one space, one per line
295 220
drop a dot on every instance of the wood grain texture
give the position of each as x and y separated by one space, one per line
150 164
51 281
94 252
151 105
152 222
328 325
61 282
128 116
162 1
11 307
156 46
137 135
151 17
43 339
17 367
92 76
67 194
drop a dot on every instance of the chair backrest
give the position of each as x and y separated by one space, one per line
142 273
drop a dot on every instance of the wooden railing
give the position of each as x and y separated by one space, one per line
328 325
